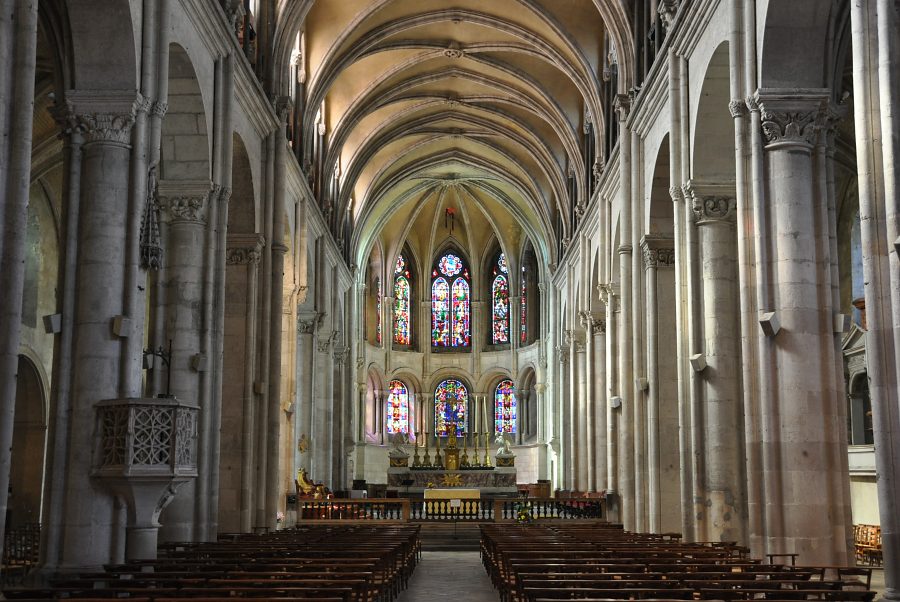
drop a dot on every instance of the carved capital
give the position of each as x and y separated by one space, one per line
658 251
186 201
242 256
737 108
714 210
562 354
105 116
323 344
676 194
340 355
790 119
306 326
622 106
667 10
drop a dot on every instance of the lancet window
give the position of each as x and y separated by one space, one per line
450 311
451 400
397 408
500 301
505 407
402 302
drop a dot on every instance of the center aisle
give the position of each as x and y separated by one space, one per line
457 576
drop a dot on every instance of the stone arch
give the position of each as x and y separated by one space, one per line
713 132
28 445
658 249
794 44
109 65
242 257
185 144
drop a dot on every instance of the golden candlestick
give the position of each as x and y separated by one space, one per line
487 458
438 462
416 462
464 460
426 461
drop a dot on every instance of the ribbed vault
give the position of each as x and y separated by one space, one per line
403 100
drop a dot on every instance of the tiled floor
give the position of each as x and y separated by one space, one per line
457 576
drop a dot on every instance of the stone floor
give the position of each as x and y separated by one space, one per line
456 576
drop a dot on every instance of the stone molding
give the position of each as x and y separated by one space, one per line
792 118
186 201
625 249
658 251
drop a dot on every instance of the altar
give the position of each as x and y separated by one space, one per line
486 481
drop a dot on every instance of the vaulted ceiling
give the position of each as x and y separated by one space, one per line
487 96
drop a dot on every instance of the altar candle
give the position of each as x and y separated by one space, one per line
484 412
476 414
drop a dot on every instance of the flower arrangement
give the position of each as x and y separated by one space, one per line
279 516
523 514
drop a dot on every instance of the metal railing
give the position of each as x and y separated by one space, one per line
474 510
21 551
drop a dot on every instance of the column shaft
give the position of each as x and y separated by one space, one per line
90 529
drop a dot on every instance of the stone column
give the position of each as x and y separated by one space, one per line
725 502
18 43
185 206
106 118
580 420
803 413
876 88
597 406
306 326
243 254
625 380
588 400
609 297
656 251
323 411
562 432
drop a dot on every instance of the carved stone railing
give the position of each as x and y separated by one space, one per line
144 450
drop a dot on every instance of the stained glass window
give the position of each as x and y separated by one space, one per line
450 265
440 313
523 327
451 401
500 303
402 302
398 408
378 294
450 306
505 408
